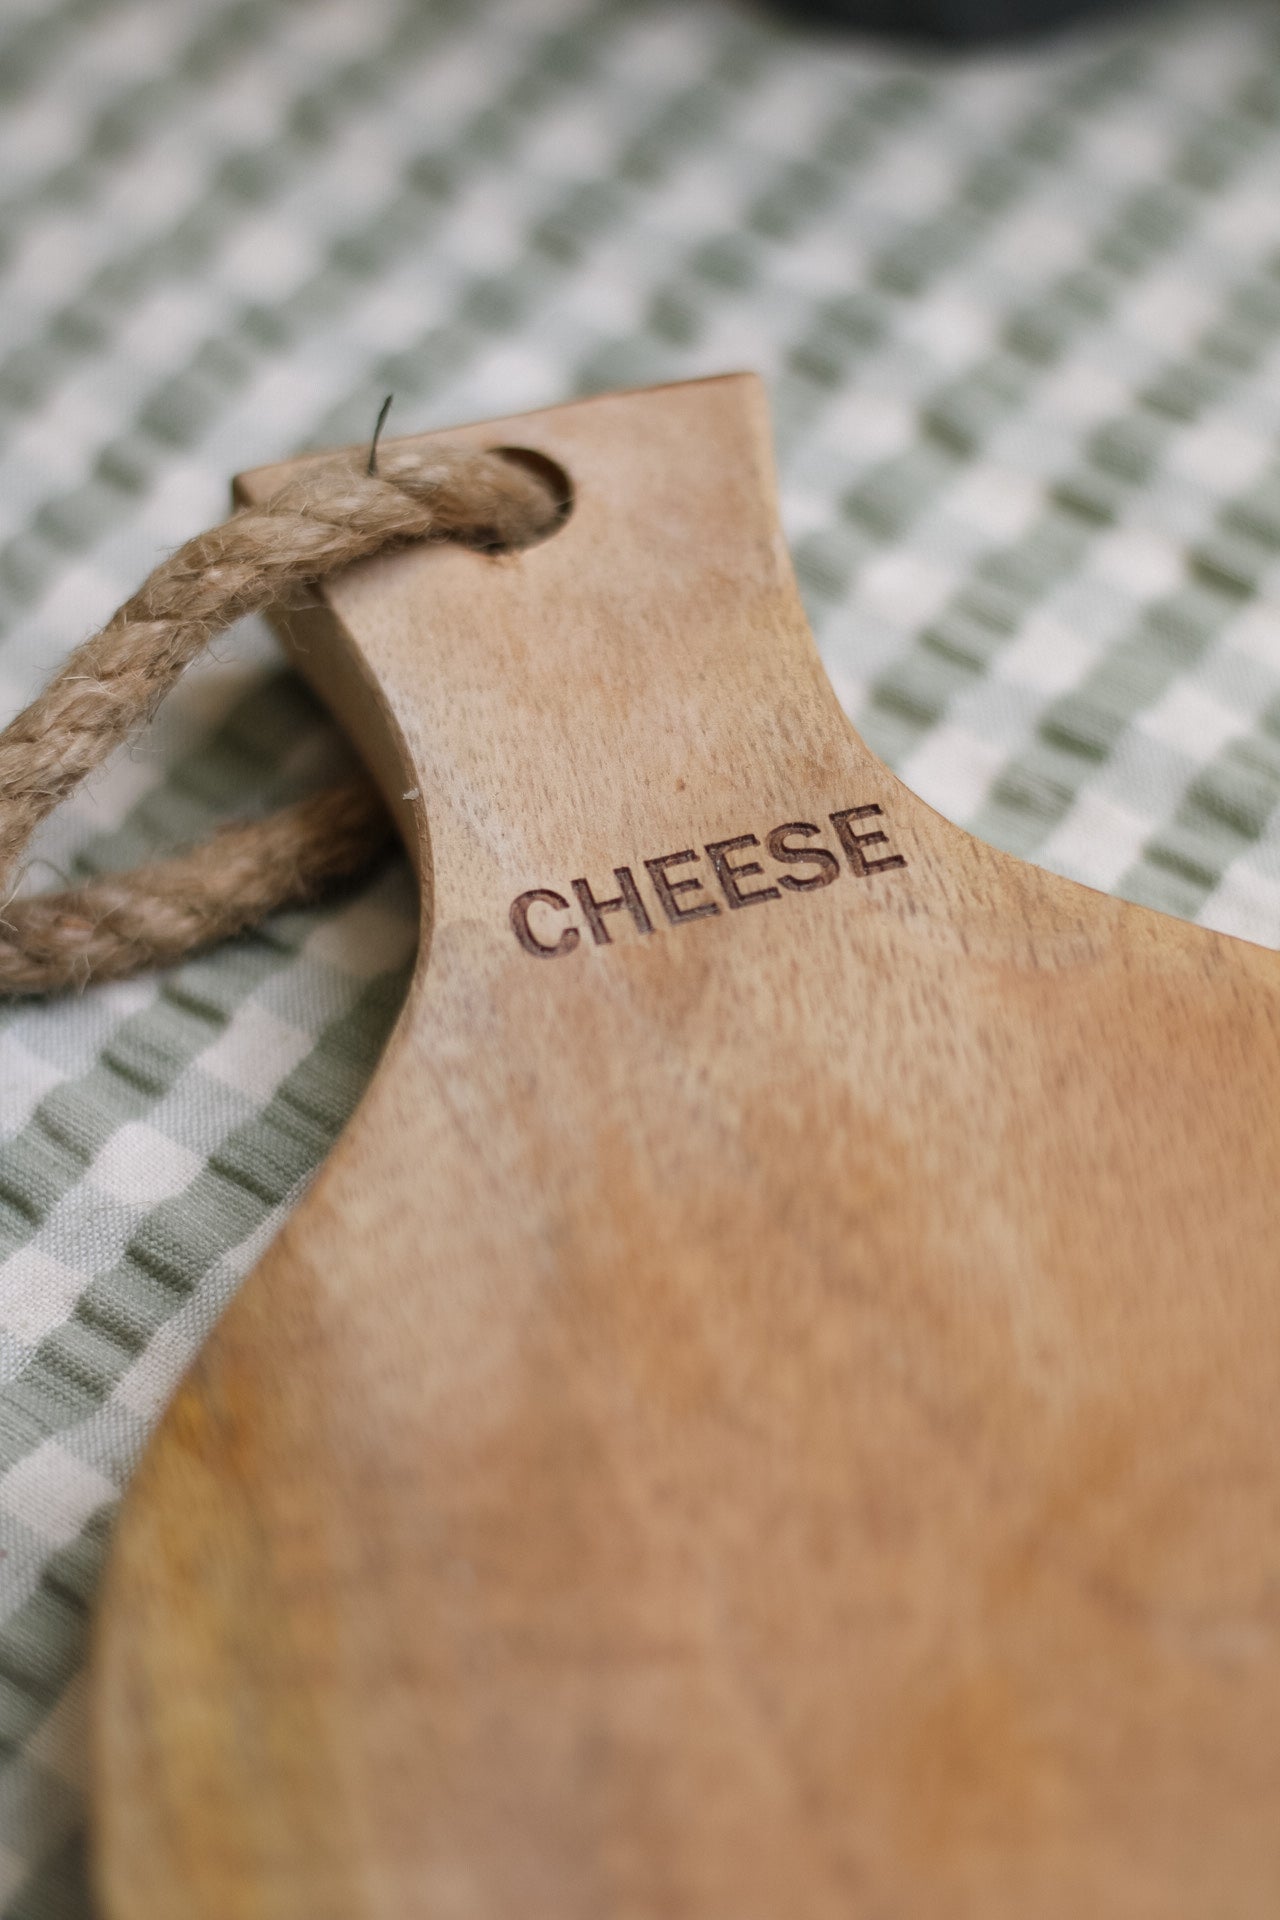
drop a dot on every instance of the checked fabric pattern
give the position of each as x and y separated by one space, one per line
1021 323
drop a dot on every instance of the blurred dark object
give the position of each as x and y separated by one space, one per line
956 22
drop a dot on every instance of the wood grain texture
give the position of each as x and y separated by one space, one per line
771 1416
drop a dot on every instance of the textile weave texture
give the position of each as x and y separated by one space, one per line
1020 321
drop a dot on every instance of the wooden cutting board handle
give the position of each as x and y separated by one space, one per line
770 1411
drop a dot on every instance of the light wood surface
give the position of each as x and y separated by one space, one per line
773 1417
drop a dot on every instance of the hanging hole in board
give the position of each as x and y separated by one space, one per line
553 476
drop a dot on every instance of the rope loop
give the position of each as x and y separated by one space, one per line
323 519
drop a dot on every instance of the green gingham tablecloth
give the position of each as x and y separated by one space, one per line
1021 323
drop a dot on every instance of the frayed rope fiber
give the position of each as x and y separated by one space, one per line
326 517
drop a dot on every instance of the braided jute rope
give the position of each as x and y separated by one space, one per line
329 515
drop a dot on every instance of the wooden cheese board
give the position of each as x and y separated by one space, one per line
769 1412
